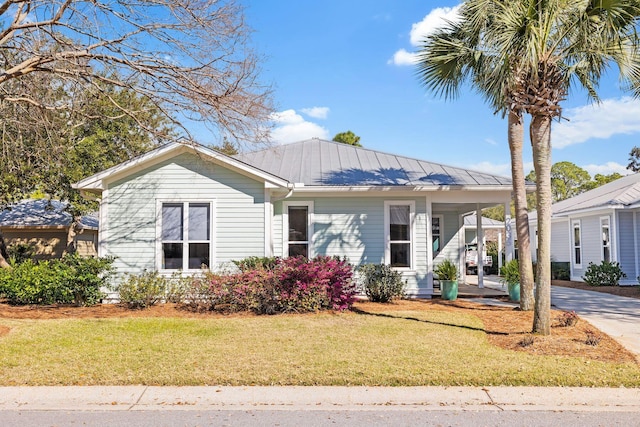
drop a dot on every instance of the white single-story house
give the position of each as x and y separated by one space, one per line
602 224
44 226
182 206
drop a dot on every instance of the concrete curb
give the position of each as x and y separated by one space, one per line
142 398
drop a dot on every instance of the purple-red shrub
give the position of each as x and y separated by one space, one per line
291 285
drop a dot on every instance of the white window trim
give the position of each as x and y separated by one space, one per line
608 220
576 224
185 259
412 233
285 227
440 218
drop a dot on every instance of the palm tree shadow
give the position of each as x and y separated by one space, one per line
431 322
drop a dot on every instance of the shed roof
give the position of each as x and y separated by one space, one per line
470 221
42 213
316 162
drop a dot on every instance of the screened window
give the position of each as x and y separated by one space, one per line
399 234
186 236
577 244
606 243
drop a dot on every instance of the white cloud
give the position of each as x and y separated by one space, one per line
606 169
316 112
436 19
602 121
402 57
490 141
292 127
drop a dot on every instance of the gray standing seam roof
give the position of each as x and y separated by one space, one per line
624 191
317 162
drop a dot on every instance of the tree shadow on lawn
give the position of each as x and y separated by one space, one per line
431 322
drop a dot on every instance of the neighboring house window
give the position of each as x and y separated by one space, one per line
185 236
606 239
299 229
399 233
577 244
436 234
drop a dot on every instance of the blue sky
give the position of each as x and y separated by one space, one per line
345 65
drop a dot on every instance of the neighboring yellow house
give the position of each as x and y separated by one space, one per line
44 225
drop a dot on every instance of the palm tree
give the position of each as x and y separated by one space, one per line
544 47
457 54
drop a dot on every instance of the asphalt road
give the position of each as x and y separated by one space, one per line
316 418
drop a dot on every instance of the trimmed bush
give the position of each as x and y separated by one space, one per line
290 285
72 279
142 290
381 282
605 274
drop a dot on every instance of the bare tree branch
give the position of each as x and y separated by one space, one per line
191 58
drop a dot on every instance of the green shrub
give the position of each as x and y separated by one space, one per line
85 276
34 283
510 272
605 274
72 279
256 263
382 283
560 270
446 270
19 253
142 290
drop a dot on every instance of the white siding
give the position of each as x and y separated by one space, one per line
131 213
560 242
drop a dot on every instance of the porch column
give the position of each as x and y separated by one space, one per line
480 238
268 224
429 211
508 232
499 251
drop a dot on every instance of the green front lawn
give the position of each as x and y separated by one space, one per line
431 348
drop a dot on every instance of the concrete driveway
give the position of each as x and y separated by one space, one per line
618 317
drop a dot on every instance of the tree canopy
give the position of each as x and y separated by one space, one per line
569 180
634 160
348 137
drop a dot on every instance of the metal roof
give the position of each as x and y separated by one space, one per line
470 221
622 192
42 213
318 162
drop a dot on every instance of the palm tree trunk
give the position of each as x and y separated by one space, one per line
516 137
540 133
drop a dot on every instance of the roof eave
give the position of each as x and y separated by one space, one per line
98 182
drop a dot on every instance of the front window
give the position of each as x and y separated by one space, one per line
577 245
186 236
298 229
399 220
606 243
